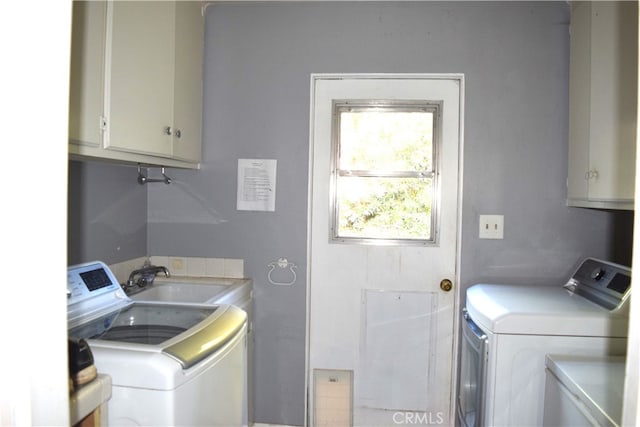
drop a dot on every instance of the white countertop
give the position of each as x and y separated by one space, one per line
598 382
87 398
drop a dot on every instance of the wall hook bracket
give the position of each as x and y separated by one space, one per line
143 179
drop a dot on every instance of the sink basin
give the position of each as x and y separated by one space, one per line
180 292
225 291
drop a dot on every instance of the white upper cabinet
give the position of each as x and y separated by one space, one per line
136 90
187 102
602 104
86 101
140 70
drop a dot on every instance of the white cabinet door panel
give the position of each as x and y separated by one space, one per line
140 76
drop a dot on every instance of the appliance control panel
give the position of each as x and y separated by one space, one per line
87 280
604 283
91 288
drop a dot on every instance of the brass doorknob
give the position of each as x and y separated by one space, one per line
446 285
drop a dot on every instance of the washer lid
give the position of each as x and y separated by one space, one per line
541 310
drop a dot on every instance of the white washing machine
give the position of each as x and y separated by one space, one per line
508 330
170 364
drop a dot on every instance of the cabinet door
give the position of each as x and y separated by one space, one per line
86 81
613 100
140 58
189 45
579 101
603 95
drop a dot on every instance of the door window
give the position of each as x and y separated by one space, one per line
384 176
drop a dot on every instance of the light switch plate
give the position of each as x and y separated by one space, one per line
491 227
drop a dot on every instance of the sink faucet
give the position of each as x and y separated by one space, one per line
146 276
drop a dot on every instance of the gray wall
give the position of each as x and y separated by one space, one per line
107 214
258 59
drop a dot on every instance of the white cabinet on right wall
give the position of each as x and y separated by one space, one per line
602 104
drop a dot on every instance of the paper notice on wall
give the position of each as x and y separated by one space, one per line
256 185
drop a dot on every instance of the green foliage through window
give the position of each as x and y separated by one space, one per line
384 173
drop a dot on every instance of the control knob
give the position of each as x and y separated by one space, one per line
597 274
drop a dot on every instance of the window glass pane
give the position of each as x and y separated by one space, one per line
386 140
384 171
384 208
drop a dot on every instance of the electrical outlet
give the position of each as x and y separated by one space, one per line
491 226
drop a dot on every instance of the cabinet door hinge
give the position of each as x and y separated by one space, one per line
103 123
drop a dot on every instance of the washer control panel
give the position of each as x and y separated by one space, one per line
91 288
87 280
604 283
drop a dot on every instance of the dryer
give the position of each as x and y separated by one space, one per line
509 329
170 363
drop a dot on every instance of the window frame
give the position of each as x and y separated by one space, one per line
382 105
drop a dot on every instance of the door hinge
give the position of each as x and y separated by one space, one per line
103 123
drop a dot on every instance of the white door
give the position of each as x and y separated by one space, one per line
381 330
